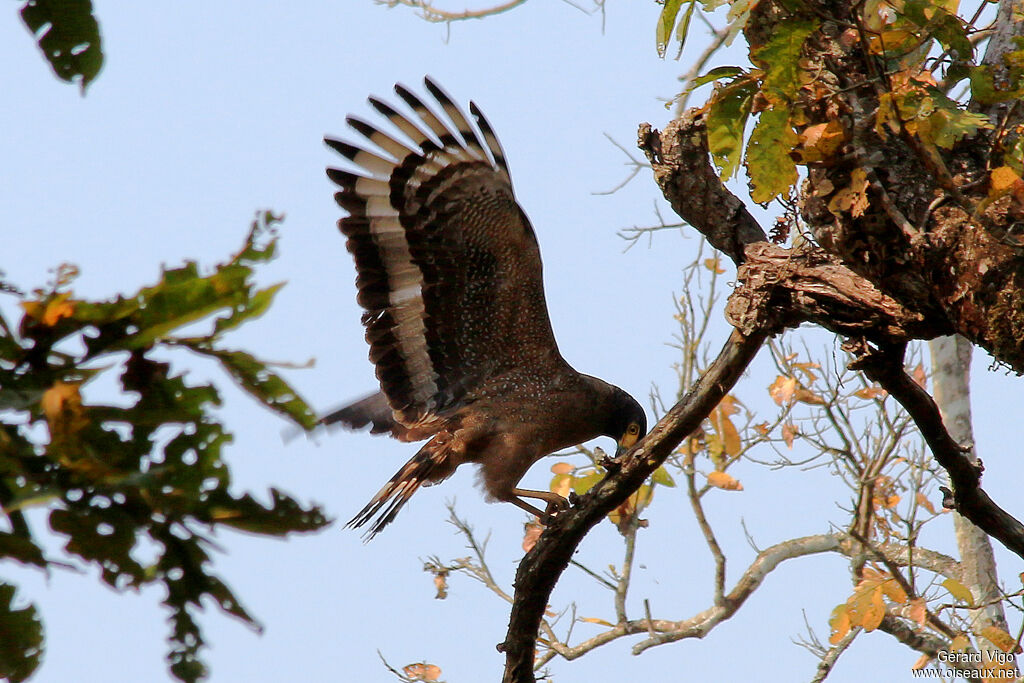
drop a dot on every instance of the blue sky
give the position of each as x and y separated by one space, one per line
206 112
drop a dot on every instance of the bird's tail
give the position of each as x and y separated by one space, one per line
429 466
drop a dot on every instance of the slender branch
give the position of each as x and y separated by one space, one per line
886 368
433 14
540 569
709 536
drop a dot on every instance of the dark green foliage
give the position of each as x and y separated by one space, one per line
68 35
21 638
149 467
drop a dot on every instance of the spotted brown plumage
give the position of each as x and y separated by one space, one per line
449 277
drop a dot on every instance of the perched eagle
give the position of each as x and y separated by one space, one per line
449 275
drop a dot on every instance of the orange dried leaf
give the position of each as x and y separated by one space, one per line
712 264
726 431
789 432
918 611
723 480
920 376
1000 638
595 620
562 468
960 643
923 501
875 611
441 585
531 532
839 622
782 390
809 397
763 428
921 662
871 393
57 309
894 591
421 671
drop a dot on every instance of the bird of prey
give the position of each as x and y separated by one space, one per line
449 277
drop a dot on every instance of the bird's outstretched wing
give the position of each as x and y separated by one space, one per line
449 272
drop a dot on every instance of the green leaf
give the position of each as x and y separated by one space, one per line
772 171
727 118
684 27
283 516
583 484
256 378
716 74
780 57
663 478
21 638
666 20
20 549
984 88
68 35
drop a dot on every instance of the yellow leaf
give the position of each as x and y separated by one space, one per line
854 197
892 41
1000 638
959 591
723 480
561 484
782 390
595 620
839 622
821 141
1002 180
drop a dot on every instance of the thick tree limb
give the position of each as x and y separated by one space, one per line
540 569
679 157
886 368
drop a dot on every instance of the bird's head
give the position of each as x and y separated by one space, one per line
628 422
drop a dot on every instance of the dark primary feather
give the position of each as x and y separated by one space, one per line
436 233
449 277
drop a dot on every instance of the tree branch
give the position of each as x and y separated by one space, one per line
679 157
886 367
540 569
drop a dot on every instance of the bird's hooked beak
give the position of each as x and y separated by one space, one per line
625 443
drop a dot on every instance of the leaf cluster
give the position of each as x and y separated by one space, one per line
134 486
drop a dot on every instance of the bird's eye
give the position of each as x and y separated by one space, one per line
633 429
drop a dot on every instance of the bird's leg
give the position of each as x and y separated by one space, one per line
555 503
